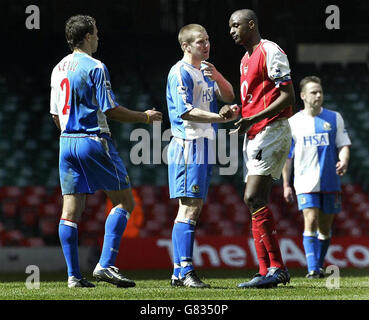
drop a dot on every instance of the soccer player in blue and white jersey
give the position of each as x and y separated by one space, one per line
321 152
192 90
81 101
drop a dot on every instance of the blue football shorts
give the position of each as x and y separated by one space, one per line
327 202
190 165
90 163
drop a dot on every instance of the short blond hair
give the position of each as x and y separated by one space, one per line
186 34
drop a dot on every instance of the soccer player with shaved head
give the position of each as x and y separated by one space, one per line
267 96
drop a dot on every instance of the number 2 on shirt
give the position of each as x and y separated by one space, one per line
65 83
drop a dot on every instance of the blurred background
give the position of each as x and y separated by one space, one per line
138 43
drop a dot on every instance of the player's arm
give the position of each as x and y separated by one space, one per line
343 143
56 120
199 115
286 174
181 86
123 114
286 98
278 69
225 89
106 100
344 158
54 106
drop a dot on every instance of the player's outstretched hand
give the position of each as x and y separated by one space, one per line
153 115
242 126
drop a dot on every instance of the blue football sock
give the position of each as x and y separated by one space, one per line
115 225
310 246
323 245
176 256
68 235
185 237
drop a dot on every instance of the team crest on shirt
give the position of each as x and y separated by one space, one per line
245 69
195 188
327 126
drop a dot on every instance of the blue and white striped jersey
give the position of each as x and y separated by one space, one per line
188 88
315 143
80 94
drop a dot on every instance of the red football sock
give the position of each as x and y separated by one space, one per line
261 252
264 221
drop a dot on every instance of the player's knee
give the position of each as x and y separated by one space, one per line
310 219
254 201
189 208
122 199
129 205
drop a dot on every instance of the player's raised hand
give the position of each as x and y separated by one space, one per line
210 71
153 115
242 126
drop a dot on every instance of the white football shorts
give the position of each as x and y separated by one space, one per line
266 154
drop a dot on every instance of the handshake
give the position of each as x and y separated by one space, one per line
229 112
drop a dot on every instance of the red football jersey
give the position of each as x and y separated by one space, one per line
261 76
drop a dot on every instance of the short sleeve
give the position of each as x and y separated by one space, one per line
103 91
181 85
277 64
342 137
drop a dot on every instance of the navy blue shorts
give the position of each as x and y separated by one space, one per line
90 163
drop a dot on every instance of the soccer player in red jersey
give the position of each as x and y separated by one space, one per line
267 97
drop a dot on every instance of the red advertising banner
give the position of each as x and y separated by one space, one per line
236 252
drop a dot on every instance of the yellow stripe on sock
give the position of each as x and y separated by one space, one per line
257 211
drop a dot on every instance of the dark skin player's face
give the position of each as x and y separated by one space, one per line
239 29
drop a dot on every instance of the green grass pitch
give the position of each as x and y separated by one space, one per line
154 285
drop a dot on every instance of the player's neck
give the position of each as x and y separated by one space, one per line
192 61
253 43
82 50
312 111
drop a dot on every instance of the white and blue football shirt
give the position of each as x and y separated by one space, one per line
188 88
315 143
80 94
